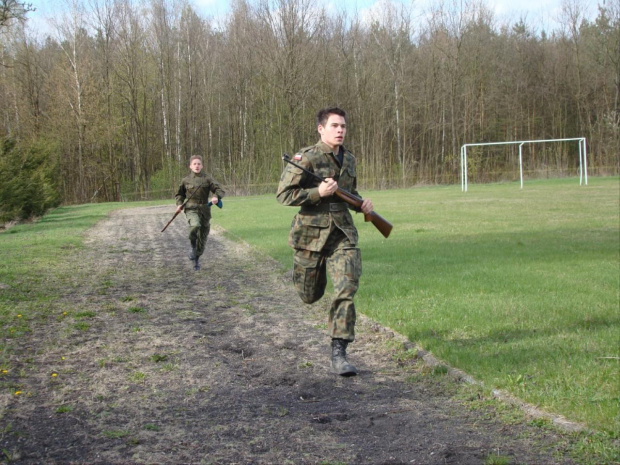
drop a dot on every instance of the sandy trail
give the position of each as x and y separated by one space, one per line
156 363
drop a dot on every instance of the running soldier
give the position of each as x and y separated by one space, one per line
197 187
323 235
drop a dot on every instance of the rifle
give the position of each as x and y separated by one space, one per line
184 203
383 225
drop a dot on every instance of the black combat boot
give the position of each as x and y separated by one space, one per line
340 366
196 263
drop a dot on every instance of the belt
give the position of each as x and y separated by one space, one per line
326 207
194 204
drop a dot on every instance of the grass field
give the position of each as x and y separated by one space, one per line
518 288
29 278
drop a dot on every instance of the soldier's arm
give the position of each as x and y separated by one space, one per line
215 187
181 194
294 189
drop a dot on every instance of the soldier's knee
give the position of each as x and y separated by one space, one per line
311 298
310 286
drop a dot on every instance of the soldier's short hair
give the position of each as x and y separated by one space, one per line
194 157
323 115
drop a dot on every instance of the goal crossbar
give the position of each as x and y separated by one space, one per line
583 159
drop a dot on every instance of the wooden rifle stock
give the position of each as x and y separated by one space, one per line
383 225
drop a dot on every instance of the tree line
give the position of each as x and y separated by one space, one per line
117 97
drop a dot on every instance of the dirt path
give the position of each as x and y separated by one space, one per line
155 363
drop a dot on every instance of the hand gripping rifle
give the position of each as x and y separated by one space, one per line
383 225
184 203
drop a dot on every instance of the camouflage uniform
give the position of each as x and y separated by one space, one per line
323 234
197 210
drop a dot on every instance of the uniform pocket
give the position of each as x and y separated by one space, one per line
309 231
313 223
309 275
347 178
325 172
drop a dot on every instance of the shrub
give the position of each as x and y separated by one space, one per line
28 179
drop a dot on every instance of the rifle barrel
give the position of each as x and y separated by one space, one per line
171 220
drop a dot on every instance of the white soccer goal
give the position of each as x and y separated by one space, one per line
583 159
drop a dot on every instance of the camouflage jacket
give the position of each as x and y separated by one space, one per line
317 216
194 181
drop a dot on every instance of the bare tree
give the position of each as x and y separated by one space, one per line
132 74
127 89
392 34
13 9
290 47
104 23
73 40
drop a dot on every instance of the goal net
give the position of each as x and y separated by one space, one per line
583 163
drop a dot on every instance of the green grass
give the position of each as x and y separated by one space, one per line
116 434
136 310
519 288
29 279
64 409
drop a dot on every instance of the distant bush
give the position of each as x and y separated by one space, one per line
163 184
29 178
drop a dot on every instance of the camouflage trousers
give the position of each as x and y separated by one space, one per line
343 262
199 226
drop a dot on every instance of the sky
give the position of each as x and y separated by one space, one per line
539 13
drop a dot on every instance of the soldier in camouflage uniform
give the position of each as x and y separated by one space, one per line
322 234
198 208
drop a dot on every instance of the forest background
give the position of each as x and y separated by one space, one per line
111 103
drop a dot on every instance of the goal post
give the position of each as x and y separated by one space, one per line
583 159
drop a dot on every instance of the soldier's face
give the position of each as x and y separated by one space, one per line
334 131
196 165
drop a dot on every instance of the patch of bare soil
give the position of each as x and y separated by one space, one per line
156 363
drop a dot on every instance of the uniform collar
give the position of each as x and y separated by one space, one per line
323 147
194 175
